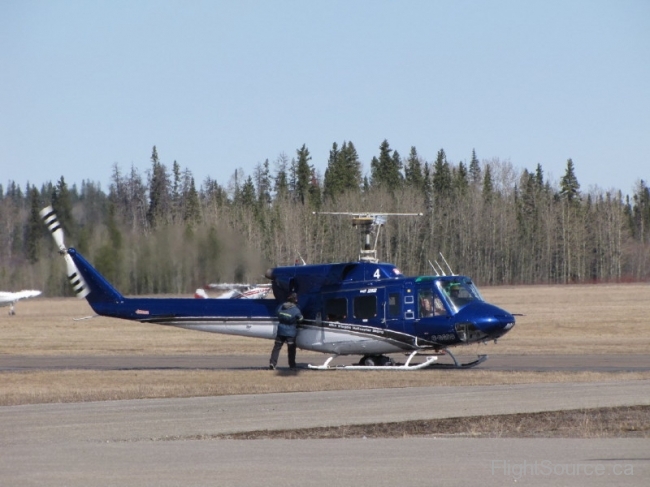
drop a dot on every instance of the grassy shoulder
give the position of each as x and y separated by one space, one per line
621 422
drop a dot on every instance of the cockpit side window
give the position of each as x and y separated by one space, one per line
430 304
459 292
425 303
438 307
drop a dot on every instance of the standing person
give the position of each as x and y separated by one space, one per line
289 315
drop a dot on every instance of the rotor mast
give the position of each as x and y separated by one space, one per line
368 224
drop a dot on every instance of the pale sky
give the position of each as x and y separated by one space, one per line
219 85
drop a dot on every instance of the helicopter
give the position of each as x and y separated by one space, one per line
361 308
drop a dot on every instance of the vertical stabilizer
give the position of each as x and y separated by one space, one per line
99 288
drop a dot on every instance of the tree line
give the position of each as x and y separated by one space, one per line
161 232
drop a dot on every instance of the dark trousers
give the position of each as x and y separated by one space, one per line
291 350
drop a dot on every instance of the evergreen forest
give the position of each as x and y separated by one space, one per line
164 232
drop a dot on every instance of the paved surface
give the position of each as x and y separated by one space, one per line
420 462
166 442
539 363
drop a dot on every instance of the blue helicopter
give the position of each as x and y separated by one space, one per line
365 307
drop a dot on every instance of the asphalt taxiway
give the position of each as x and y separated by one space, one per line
170 442
535 363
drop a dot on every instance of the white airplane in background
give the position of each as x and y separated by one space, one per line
10 299
235 291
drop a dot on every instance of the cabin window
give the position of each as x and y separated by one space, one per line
365 307
393 304
336 309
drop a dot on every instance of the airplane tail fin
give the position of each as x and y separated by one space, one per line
86 281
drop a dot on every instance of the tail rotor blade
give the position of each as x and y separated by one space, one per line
53 225
76 280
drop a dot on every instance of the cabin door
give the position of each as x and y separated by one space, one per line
393 308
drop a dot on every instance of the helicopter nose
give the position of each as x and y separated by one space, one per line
493 321
498 324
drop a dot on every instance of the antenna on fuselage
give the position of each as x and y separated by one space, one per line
442 271
445 261
301 259
434 269
368 223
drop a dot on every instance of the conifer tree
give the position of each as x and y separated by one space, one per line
386 170
441 178
303 174
263 183
488 184
461 179
62 205
351 167
376 176
395 173
247 197
332 184
528 194
474 169
314 190
639 213
343 172
427 187
236 186
213 194
176 196
366 184
569 186
413 170
159 194
281 180
539 176
191 206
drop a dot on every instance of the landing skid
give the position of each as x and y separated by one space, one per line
457 365
406 366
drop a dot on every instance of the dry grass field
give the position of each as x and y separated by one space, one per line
603 318
582 319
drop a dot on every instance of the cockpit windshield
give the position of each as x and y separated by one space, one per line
458 292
